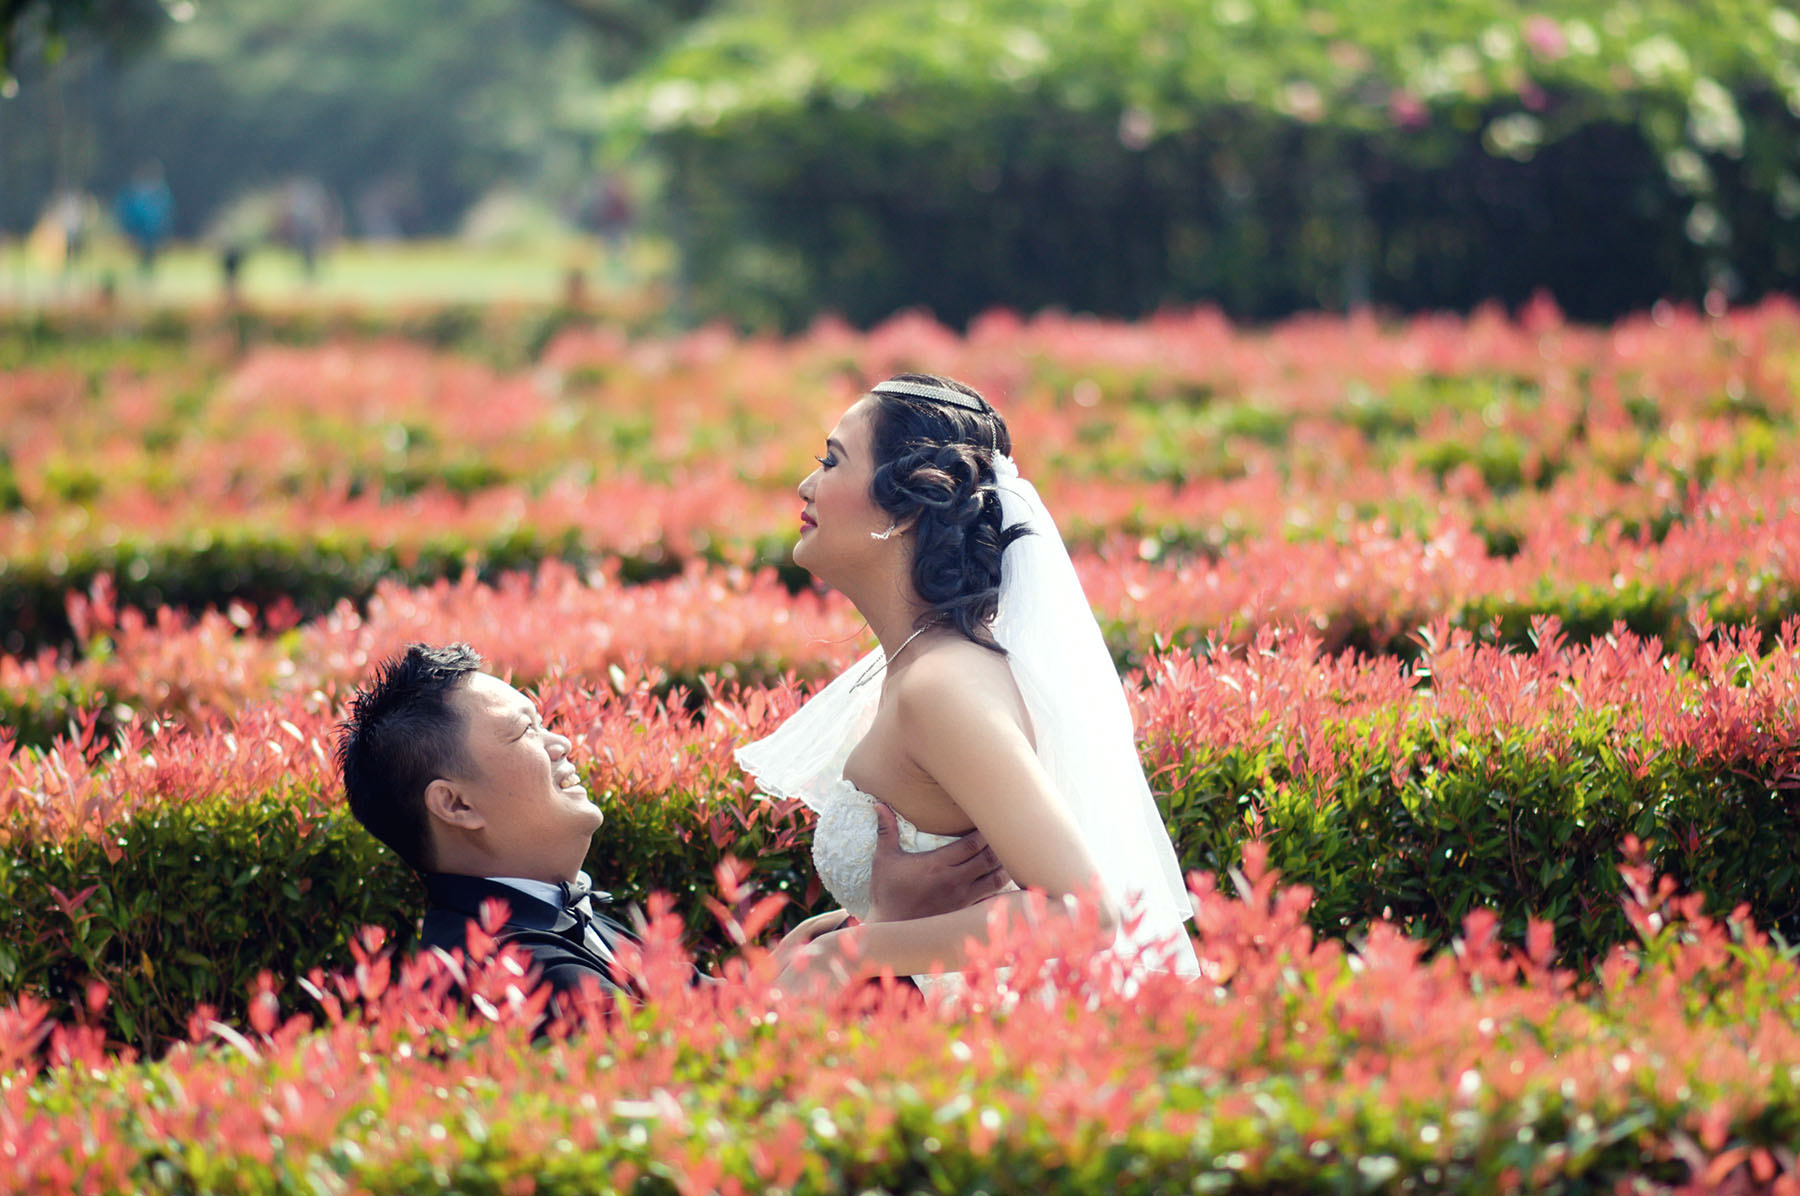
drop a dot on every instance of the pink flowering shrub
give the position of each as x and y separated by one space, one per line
1294 1062
1730 560
311 473
1476 775
1430 617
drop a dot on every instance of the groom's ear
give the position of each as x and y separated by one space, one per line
446 802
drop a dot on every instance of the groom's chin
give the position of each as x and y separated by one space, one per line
588 819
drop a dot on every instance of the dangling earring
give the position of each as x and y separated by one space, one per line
883 535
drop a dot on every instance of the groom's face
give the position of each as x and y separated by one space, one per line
527 795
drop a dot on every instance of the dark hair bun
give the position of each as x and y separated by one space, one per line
934 460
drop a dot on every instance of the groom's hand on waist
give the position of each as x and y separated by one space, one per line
906 885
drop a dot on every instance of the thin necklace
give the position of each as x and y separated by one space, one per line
889 658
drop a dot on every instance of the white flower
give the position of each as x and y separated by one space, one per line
1516 136
1658 58
1713 119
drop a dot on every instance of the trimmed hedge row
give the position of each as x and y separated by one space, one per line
1182 432
1507 826
1294 1066
308 575
509 334
190 902
186 905
1370 597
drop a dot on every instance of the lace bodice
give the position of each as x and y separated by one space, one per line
844 844
844 854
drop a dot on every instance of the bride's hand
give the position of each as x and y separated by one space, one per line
814 972
803 935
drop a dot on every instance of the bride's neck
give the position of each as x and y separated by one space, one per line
891 609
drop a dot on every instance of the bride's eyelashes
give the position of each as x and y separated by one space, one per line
827 462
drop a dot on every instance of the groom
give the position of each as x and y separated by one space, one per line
455 770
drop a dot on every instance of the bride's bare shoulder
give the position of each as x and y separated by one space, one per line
957 675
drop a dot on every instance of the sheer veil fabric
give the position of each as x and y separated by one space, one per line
1079 718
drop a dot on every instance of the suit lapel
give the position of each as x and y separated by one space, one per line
465 895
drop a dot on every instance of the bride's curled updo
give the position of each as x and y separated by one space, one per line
935 460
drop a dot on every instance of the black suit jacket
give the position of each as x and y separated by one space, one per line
549 934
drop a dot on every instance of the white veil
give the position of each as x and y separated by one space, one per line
1079 718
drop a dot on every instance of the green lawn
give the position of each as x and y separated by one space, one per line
364 273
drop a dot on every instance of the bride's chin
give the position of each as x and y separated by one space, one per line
805 561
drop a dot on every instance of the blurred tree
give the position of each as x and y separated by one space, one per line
633 27
1268 155
407 110
50 23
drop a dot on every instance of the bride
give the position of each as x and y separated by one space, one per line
991 702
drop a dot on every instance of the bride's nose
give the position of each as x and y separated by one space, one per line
807 484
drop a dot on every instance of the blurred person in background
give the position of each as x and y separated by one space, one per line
145 210
306 221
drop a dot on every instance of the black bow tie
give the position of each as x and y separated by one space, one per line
576 894
593 929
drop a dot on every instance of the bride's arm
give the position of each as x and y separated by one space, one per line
959 719
937 943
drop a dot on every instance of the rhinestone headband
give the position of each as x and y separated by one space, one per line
921 390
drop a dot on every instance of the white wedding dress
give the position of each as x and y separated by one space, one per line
844 855
1084 735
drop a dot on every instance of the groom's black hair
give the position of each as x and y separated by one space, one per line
401 735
